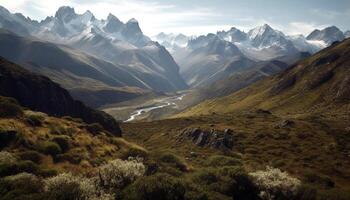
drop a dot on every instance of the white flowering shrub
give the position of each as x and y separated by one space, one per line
7 158
118 173
274 183
68 186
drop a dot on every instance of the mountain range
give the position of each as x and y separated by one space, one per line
204 59
107 53
318 84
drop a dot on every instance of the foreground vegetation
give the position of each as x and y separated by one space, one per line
44 157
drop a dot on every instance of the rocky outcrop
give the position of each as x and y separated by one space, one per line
39 93
214 138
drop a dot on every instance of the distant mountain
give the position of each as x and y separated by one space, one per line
41 94
232 35
110 41
327 35
347 34
318 84
16 22
211 59
171 41
237 81
74 70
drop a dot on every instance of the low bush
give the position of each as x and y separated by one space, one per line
7 137
173 160
334 194
275 184
318 179
134 152
9 107
221 161
21 186
74 158
158 186
57 129
33 156
232 182
35 119
62 141
50 148
8 169
69 187
7 158
117 174
69 118
94 128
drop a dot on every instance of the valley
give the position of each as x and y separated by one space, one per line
147 109
95 107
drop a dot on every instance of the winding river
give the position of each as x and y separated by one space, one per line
168 102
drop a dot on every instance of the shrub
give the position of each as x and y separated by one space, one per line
229 181
9 107
275 184
94 128
20 186
35 119
50 148
334 194
322 180
68 187
173 160
8 169
57 129
69 118
7 158
158 186
135 152
62 141
33 156
74 158
117 174
7 137
221 161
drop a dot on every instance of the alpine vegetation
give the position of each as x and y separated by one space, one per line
275 184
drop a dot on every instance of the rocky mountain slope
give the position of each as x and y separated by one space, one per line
110 40
41 94
317 84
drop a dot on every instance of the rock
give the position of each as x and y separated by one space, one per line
285 123
213 138
202 139
193 154
262 111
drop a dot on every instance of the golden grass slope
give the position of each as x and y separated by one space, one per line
320 83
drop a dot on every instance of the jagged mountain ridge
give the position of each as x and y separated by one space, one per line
110 40
201 67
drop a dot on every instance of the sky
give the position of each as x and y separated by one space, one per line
196 17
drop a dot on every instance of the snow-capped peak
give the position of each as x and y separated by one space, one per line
260 31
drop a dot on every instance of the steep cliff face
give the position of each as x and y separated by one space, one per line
39 93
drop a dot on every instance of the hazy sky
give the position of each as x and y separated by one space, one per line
202 16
